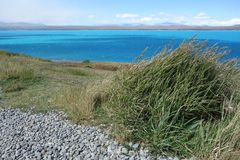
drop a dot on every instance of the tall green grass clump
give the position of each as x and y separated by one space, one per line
183 102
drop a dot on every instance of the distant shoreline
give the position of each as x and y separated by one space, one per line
83 61
113 27
119 29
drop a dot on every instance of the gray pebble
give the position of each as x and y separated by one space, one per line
124 150
135 146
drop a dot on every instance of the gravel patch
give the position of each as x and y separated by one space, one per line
47 136
1 95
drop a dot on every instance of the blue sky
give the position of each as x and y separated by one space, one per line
100 12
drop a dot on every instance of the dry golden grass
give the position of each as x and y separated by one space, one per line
81 102
106 66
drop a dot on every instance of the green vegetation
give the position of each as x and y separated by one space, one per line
42 85
184 102
25 79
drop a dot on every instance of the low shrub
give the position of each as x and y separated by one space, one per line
180 101
86 61
5 53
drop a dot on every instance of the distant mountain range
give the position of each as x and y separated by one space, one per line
20 24
163 26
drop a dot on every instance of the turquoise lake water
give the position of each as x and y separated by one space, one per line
107 45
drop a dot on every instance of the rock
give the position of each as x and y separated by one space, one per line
4 156
131 153
130 144
135 146
124 150
38 155
131 158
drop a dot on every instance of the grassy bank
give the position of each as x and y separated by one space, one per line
43 85
183 102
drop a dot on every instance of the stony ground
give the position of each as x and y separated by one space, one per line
47 136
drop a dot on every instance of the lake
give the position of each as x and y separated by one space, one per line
107 45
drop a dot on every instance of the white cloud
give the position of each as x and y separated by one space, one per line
180 19
201 15
148 19
215 22
234 21
163 14
54 12
135 18
201 18
38 11
127 15
91 16
158 18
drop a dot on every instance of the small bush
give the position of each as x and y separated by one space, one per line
86 61
176 103
11 54
5 53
